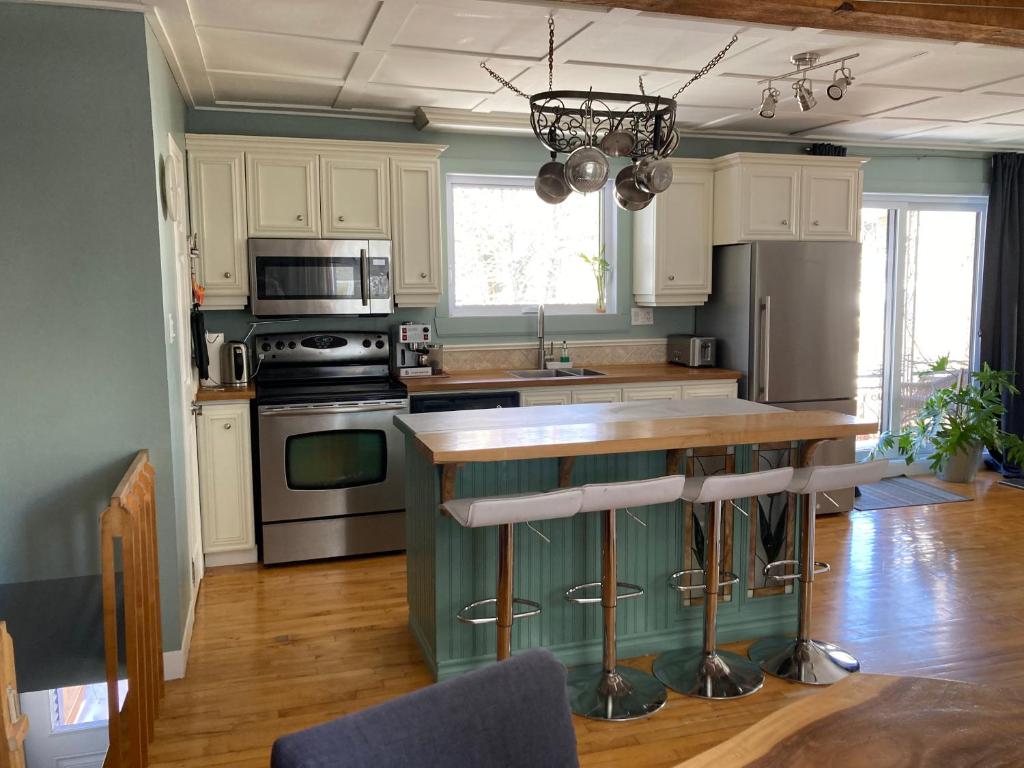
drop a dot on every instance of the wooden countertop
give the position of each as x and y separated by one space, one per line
224 394
614 375
587 430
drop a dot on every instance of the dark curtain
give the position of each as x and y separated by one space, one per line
1002 292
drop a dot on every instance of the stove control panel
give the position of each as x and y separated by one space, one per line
329 348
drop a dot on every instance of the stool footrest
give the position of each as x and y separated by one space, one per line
819 567
465 618
725 579
573 593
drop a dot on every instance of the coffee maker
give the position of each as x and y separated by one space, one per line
409 352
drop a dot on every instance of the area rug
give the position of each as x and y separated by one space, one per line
902 492
1013 482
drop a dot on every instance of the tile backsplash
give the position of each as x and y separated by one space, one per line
483 357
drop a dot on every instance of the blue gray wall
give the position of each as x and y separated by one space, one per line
84 381
892 170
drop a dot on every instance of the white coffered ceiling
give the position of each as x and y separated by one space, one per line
388 57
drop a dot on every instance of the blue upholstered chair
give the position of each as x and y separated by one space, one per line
513 714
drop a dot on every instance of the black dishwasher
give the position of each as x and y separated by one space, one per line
462 401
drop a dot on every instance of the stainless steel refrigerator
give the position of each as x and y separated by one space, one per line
787 316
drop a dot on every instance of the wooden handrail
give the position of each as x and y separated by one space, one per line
13 723
131 518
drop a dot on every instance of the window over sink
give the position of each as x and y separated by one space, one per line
508 251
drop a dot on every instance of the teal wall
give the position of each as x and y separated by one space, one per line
892 170
84 375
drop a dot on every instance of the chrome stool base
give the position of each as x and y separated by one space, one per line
812 662
625 694
717 675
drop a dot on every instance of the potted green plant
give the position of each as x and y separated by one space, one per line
600 267
956 422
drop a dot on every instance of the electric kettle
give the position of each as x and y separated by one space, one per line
234 367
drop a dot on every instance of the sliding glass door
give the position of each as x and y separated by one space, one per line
921 259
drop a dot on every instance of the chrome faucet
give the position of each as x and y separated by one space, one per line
541 359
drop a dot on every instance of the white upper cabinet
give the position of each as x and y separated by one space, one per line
355 195
786 197
830 207
672 240
416 231
216 191
283 194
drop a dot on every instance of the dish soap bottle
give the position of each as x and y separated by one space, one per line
565 353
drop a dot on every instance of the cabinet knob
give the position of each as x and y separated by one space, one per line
423 275
815 223
341 218
227 275
300 217
227 426
785 222
671 277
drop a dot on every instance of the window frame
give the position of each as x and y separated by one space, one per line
609 241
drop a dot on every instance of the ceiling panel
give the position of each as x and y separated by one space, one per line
880 128
952 68
984 132
501 29
584 76
226 49
439 70
264 90
962 107
396 97
781 123
346 20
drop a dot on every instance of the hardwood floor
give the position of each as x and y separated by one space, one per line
933 591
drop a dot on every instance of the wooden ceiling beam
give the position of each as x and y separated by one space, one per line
995 22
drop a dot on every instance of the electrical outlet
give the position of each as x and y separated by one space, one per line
641 316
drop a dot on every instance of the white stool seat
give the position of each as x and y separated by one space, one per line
818 479
701 490
520 508
598 497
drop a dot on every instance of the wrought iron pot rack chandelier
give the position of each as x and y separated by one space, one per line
591 126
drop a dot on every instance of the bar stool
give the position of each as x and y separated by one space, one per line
606 691
709 673
505 512
802 659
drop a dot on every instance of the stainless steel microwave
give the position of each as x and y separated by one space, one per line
320 277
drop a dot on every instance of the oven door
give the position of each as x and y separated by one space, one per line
320 461
320 277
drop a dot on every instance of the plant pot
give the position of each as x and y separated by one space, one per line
962 466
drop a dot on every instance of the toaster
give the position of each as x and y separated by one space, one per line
694 351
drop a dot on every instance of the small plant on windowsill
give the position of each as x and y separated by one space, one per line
600 267
956 422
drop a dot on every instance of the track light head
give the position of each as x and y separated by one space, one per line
841 80
804 94
769 99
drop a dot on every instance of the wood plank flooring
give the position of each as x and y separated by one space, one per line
933 591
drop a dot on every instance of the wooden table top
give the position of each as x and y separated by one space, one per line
614 375
883 721
588 430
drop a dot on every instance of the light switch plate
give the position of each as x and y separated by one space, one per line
641 316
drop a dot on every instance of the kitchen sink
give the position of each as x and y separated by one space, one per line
555 373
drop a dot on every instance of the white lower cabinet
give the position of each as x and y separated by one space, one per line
652 392
700 389
225 484
559 396
596 395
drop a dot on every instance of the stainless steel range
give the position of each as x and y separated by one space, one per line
331 460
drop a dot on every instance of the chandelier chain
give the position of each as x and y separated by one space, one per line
706 68
502 81
551 53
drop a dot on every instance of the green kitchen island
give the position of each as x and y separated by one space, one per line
505 451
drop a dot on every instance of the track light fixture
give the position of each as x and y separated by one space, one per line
803 89
769 98
842 78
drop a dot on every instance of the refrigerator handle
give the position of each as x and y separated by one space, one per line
766 345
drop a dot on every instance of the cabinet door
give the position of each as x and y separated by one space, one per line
416 227
216 190
546 397
225 478
645 392
354 195
830 208
714 389
683 250
770 200
596 395
283 194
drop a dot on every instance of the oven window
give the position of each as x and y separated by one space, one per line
343 458
308 278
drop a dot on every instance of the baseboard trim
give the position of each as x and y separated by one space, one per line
235 557
176 662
